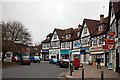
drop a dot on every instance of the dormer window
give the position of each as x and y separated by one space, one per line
68 36
48 37
100 28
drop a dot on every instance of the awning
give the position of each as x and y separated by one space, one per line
65 52
83 48
45 50
99 52
76 53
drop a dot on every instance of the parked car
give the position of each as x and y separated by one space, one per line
35 59
8 57
53 61
25 60
15 59
64 63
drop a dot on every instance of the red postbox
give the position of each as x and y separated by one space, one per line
76 63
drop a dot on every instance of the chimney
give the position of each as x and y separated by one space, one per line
101 18
79 26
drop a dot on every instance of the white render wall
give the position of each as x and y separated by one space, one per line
53 37
87 34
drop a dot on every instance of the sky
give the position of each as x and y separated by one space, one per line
40 17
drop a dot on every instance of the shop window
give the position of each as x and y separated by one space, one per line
53 56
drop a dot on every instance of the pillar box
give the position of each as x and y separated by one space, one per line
76 63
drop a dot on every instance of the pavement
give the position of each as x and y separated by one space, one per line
9 64
91 71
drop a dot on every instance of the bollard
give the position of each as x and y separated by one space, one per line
102 76
70 70
82 74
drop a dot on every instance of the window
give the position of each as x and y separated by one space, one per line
94 41
77 43
68 36
53 57
67 44
85 30
55 36
55 44
85 40
48 37
63 45
101 39
100 28
78 33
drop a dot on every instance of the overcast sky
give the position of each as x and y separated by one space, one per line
40 17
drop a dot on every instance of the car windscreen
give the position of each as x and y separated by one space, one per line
25 58
36 57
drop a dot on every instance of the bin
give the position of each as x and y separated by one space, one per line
76 63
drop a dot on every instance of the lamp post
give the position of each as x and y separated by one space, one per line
70 73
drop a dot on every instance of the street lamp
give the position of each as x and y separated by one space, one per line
69 62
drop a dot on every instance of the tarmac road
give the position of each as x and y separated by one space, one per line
35 70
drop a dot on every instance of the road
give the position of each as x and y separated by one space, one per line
35 70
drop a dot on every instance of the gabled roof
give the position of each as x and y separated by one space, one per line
47 40
91 24
63 32
105 28
73 32
116 8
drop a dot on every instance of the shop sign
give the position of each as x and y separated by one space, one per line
110 41
104 46
112 34
111 47
65 51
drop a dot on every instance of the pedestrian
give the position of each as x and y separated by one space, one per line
98 63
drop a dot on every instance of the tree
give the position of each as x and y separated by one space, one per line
13 33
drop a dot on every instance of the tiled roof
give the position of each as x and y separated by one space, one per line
73 32
116 6
63 32
47 40
105 28
91 24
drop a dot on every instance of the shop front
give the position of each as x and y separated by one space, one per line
84 55
64 54
54 54
97 52
75 53
45 55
